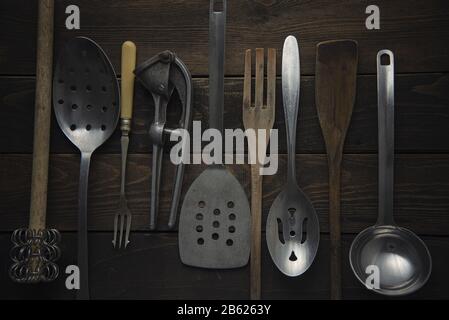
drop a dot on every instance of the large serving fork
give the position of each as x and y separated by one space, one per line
260 118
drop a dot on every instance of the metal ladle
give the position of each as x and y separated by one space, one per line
402 259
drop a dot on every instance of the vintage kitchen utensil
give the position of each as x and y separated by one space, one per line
86 102
35 250
292 231
260 118
123 215
335 89
402 258
214 225
161 75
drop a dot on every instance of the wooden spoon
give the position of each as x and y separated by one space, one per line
336 77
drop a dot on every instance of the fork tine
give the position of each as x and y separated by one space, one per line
271 79
128 228
247 81
260 68
114 242
122 223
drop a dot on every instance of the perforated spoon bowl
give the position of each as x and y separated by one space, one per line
86 103
293 231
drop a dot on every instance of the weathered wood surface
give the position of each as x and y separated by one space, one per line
422 116
417 31
421 190
151 269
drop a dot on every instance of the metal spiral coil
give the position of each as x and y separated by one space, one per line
34 254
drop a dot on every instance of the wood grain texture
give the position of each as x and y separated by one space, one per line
422 116
421 190
336 82
417 32
151 269
258 117
42 115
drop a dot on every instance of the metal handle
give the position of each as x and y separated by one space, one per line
160 109
385 97
83 292
290 94
217 26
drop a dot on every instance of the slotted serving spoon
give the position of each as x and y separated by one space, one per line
402 258
293 231
214 224
86 104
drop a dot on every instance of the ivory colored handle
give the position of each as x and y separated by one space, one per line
127 91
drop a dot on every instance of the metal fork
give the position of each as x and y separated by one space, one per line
126 104
258 116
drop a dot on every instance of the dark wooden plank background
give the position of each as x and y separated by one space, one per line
417 32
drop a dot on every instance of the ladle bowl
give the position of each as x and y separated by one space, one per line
402 258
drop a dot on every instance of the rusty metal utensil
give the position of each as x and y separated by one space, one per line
214 225
293 231
36 249
162 75
86 102
123 214
258 116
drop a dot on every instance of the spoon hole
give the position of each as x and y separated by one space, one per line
200 241
88 88
304 231
385 60
280 231
199 216
60 101
103 127
89 107
215 236
199 229
88 127
217 212
232 217
216 224
73 127
104 109
230 204
292 233
201 204
103 88
229 242
74 106
293 256
231 229
73 87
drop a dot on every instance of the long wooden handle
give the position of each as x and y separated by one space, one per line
42 114
127 84
335 228
256 226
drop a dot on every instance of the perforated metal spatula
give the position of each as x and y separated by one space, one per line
214 225
86 104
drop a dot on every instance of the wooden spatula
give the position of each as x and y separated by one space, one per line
335 90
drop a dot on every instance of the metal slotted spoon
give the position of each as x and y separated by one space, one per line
86 104
293 231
